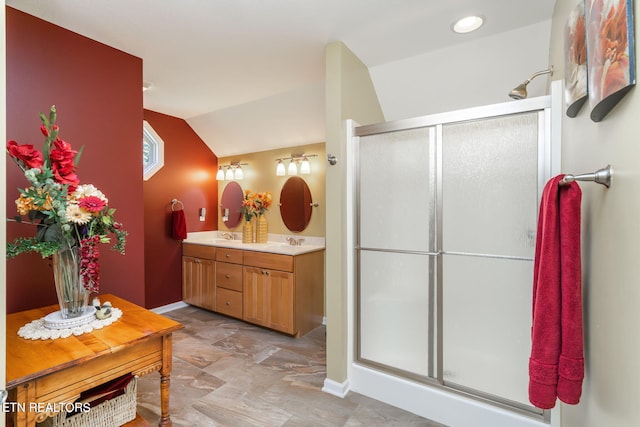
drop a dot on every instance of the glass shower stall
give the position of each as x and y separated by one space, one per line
444 223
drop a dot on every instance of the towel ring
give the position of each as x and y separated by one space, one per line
174 202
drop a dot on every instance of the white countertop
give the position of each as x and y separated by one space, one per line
276 243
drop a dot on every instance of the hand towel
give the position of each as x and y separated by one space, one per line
556 365
178 225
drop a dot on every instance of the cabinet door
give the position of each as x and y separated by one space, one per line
190 282
198 282
280 300
268 298
255 296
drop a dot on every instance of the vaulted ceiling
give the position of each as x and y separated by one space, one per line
248 75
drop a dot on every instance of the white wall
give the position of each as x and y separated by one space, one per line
468 75
610 251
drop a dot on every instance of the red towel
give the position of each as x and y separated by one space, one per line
178 225
556 366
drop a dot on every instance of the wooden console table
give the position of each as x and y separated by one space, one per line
54 372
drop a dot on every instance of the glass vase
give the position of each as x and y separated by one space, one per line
247 232
261 229
72 296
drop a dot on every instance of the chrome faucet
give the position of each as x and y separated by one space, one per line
295 242
227 236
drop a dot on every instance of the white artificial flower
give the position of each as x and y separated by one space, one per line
77 215
86 190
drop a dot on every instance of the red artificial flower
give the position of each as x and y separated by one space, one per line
29 156
62 164
92 203
89 263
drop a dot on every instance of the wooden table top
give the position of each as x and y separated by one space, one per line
29 359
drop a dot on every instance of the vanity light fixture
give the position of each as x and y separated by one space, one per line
230 172
220 174
305 168
467 24
292 169
228 176
238 174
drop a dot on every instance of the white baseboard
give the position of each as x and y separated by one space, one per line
169 307
335 388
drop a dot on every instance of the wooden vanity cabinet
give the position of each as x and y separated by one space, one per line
198 275
229 282
280 292
284 292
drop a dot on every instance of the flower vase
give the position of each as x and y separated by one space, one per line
247 232
261 230
72 295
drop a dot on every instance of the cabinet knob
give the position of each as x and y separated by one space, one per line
226 255
197 261
228 302
228 276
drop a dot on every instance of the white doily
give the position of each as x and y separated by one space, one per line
37 331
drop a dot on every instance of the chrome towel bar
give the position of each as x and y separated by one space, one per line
601 176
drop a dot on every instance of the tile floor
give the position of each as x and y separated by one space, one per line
230 373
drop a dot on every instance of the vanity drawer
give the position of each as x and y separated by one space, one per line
229 302
268 260
199 251
229 255
229 276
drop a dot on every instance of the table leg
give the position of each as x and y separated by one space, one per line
165 373
25 417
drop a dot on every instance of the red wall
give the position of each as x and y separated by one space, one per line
189 176
98 94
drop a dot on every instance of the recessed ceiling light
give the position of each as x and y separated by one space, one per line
468 24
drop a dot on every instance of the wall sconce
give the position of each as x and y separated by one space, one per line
292 169
233 172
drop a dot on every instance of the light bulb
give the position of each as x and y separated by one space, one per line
305 167
293 169
220 174
238 174
229 175
280 169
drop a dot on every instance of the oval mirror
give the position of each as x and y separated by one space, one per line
230 204
295 204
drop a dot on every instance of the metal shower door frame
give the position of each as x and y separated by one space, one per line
548 161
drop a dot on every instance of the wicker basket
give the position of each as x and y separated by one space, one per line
110 413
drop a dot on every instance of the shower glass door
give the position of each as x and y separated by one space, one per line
445 236
396 255
489 209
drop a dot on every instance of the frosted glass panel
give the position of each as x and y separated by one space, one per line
486 324
396 195
490 185
394 310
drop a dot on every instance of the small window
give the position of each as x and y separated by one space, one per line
152 151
